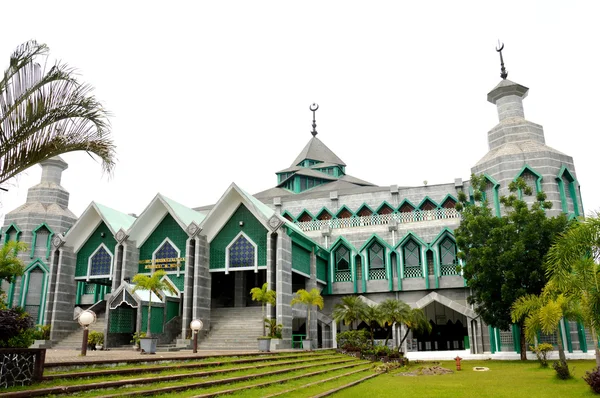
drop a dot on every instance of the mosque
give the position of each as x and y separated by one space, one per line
317 227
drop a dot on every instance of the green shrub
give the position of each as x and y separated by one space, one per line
42 332
95 338
541 352
353 340
593 379
562 370
135 339
273 328
382 351
16 328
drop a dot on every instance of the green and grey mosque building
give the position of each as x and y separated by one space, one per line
317 227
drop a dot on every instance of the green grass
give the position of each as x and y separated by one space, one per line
505 379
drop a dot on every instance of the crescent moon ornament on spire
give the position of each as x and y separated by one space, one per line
313 107
503 71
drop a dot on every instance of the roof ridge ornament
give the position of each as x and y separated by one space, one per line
503 71
313 107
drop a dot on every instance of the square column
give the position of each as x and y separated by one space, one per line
283 287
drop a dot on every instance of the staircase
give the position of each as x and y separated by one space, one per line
233 329
73 341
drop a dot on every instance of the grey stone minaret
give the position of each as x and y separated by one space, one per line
516 143
44 215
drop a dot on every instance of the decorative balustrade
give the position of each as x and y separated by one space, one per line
343 276
375 274
380 219
448 269
413 271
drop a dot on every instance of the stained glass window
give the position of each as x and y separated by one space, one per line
166 251
100 262
241 253
376 256
412 254
342 258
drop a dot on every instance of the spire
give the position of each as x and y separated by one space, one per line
52 170
314 108
503 71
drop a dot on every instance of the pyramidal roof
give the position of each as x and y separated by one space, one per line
316 150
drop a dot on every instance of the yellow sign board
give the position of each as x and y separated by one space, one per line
161 263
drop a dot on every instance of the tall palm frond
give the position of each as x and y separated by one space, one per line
45 113
349 310
154 284
393 312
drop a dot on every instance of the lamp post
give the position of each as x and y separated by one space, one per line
196 326
86 318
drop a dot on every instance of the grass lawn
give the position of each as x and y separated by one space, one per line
508 379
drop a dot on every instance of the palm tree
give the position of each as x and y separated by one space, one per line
372 317
543 314
153 284
11 265
572 267
44 113
415 321
393 312
264 295
350 310
309 299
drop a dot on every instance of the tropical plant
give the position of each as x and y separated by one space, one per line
47 112
415 321
351 309
353 340
372 317
310 299
503 257
11 265
543 314
393 312
135 338
573 268
95 338
273 328
265 296
542 352
42 332
155 285
593 379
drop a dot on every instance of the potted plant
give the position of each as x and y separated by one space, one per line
154 284
309 299
135 339
382 353
95 340
265 296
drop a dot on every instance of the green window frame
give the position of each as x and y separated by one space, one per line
376 256
342 258
412 254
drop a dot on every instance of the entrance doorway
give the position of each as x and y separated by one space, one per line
448 330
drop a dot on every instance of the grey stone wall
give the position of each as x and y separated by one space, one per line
64 295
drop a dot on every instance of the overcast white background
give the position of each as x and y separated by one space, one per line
206 93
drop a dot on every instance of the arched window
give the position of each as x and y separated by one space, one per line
448 259
342 259
376 256
411 253
34 292
342 264
241 253
167 250
99 263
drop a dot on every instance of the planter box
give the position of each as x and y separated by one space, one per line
21 366
264 344
41 344
306 345
371 358
148 345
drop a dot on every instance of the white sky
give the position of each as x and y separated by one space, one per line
206 93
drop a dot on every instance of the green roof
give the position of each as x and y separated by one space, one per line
114 218
183 213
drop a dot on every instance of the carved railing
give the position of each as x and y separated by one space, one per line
380 219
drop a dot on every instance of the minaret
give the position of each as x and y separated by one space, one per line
44 215
517 148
